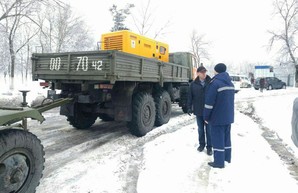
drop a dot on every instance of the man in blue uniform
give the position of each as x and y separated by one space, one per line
219 113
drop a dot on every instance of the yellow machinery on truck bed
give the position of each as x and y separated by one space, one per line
129 42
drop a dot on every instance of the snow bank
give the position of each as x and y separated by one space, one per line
172 164
274 107
13 96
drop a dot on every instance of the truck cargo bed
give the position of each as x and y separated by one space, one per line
105 66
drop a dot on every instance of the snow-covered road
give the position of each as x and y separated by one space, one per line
108 159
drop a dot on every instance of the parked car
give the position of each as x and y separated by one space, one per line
240 81
270 83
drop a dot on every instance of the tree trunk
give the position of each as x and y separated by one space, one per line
11 83
27 62
12 58
296 76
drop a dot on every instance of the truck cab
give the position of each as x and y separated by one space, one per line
185 59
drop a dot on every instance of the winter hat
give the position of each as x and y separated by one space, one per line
220 67
201 69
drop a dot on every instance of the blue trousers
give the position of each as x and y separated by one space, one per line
221 142
203 129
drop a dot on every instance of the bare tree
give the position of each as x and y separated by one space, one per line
20 26
246 68
46 19
145 21
23 53
199 47
4 49
287 10
63 31
15 14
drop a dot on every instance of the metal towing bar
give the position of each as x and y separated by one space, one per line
10 115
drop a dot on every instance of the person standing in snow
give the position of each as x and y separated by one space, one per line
196 101
262 84
219 114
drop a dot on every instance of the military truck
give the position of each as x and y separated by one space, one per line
115 85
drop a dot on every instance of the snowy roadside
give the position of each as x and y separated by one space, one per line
277 116
169 162
172 164
274 109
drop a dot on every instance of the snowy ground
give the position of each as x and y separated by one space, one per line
108 159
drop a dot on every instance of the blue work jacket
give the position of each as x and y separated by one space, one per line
219 101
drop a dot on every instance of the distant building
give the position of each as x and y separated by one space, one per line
263 71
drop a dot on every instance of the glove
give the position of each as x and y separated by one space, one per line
189 112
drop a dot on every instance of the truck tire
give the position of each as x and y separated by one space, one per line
143 114
183 97
163 107
81 120
105 117
21 161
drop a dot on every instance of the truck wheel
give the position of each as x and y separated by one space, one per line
21 161
163 107
143 114
105 117
183 97
81 120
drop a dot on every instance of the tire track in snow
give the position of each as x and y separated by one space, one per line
271 137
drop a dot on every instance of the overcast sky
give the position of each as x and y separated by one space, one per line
237 29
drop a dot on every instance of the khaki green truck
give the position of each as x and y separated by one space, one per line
114 85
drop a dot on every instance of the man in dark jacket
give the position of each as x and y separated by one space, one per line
219 113
262 84
195 104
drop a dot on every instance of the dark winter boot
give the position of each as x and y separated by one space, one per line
212 164
200 148
209 151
